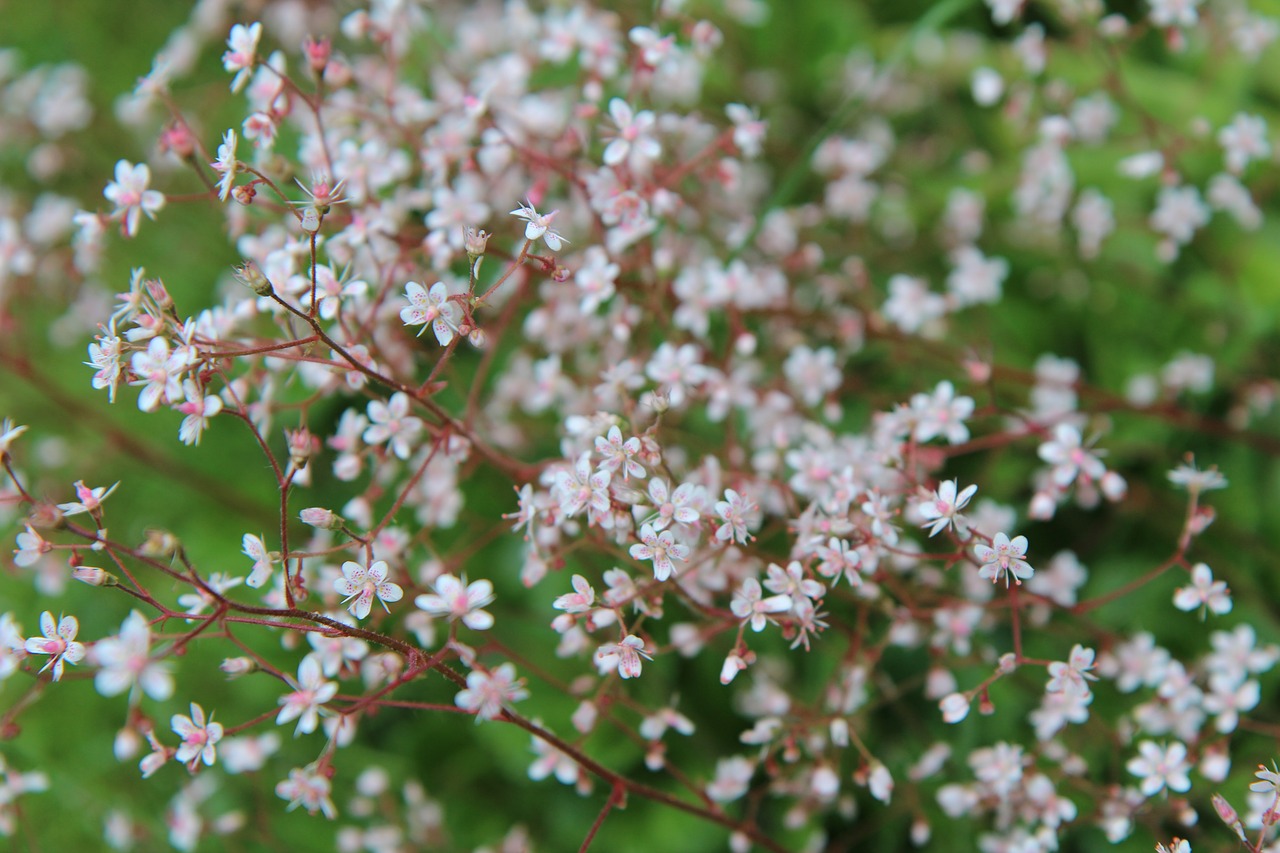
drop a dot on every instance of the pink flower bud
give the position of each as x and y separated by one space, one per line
238 666
732 666
301 445
325 519
317 52
475 241
94 576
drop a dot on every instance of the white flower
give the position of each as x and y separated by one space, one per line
58 642
361 585
125 662
539 226
624 656
199 737
459 600
750 605
1004 558
1160 767
310 691
430 307
1203 592
944 510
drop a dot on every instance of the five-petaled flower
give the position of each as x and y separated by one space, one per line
263 560
159 370
126 663
624 656
944 510
1160 767
242 46
1073 676
87 499
750 605
58 642
619 454
539 226
578 601
199 737
310 691
391 422
309 788
457 599
735 510
487 693
430 307
361 585
662 548
1004 558
130 194
1203 592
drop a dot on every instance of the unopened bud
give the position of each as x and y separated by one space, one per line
478 338
127 744
476 242
1227 814
160 293
94 576
250 276
955 707
561 274
236 667
301 446
160 543
46 517
325 519
178 139
1008 663
310 220
318 52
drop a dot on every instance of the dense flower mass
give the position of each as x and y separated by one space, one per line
745 368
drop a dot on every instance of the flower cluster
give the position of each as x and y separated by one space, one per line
780 441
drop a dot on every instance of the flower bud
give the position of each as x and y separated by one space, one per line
160 293
178 139
127 743
310 219
478 338
325 519
238 666
249 275
476 242
732 666
955 707
317 52
94 576
301 446
160 543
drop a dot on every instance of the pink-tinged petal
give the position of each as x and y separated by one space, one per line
478 620
390 592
